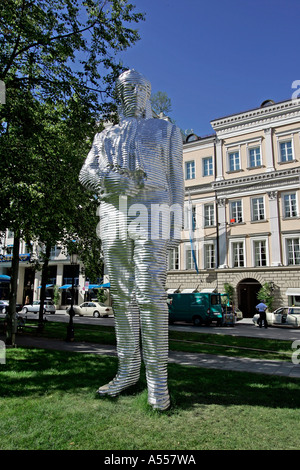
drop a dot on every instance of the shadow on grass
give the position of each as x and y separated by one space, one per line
37 372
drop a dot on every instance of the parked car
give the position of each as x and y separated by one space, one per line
4 306
95 309
283 316
49 307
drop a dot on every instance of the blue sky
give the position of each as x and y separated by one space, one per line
219 57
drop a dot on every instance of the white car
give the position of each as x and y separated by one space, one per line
283 316
95 309
3 306
49 307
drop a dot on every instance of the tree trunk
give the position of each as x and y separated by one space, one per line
11 316
43 285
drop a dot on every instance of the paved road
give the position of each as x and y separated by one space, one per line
244 327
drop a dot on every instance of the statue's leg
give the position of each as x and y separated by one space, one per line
118 259
150 273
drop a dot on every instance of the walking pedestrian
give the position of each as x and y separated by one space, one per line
261 308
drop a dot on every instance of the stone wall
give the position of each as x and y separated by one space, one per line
282 277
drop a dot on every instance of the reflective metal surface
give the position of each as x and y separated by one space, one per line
136 167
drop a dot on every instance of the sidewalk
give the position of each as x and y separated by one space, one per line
208 361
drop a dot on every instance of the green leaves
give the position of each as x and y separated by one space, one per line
59 64
161 103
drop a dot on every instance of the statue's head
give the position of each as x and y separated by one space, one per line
134 91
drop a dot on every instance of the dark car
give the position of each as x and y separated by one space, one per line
4 306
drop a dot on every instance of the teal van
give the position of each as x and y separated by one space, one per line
199 308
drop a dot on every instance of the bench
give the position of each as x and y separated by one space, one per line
23 325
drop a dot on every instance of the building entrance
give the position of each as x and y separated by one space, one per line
247 291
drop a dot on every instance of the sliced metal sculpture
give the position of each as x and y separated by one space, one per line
136 168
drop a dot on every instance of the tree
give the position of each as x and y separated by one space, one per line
161 103
266 295
229 290
58 62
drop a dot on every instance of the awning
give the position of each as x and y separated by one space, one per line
4 278
95 286
188 291
208 290
47 285
66 286
171 291
105 286
293 291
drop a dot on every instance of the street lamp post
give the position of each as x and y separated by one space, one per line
70 329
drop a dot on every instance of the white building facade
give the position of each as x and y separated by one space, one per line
243 184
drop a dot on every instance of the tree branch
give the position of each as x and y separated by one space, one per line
14 52
39 43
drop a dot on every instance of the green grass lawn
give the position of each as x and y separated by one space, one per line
47 401
259 348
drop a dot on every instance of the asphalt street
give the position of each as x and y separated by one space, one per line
244 327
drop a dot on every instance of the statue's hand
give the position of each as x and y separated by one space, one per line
117 182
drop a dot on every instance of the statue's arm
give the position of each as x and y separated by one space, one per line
99 175
90 174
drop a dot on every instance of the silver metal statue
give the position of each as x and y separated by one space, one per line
136 167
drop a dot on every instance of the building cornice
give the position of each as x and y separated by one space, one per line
198 189
199 145
286 112
279 178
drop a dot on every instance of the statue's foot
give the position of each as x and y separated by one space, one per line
116 386
108 390
159 402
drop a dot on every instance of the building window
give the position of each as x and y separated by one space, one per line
173 259
209 256
236 213
209 215
207 166
190 170
258 209
189 263
238 256
260 253
194 218
290 205
254 157
55 252
286 151
293 251
234 161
